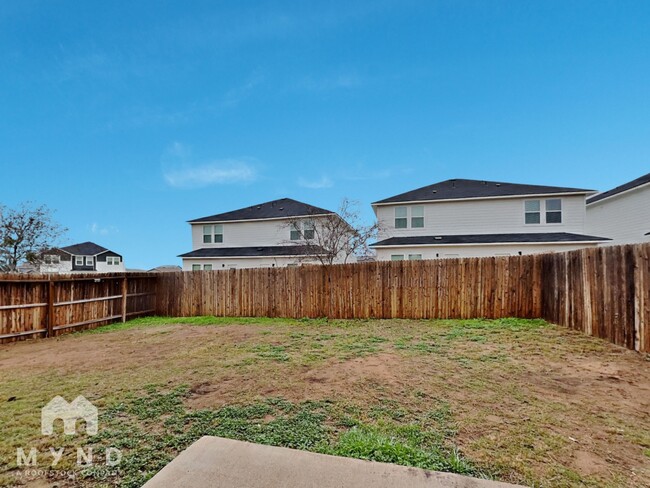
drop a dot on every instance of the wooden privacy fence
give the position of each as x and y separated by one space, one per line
604 292
450 288
47 305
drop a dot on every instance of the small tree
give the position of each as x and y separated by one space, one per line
333 237
25 233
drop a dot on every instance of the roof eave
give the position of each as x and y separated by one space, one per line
518 195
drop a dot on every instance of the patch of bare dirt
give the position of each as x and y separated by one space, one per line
349 379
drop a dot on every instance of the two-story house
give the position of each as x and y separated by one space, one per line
277 233
622 213
81 258
473 218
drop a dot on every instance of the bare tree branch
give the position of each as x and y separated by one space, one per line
25 233
333 238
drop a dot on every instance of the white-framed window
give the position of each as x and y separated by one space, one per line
417 216
207 234
554 211
532 212
207 267
302 230
212 233
112 260
52 259
308 230
196 267
401 217
89 261
294 233
397 257
415 257
79 260
218 233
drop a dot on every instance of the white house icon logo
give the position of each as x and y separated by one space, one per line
79 408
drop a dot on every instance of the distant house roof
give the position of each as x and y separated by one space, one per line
532 238
276 209
84 249
642 180
255 251
165 268
460 189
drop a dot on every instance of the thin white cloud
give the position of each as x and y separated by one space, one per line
100 230
323 182
180 171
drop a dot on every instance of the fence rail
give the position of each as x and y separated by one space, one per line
46 305
603 292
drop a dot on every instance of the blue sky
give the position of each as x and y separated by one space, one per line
130 118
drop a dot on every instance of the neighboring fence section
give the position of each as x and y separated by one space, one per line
604 292
46 305
450 288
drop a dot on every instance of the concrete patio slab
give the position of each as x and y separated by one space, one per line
225 463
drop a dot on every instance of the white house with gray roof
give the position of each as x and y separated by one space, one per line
475 218
622 213
259 236
85 257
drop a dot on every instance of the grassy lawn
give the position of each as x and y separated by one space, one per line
515 400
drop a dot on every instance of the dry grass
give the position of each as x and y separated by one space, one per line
521 401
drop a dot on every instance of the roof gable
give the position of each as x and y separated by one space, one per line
276 209
84 249
630 185
461 189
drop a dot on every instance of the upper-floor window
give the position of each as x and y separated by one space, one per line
207 267
112 260
552 211
212 233
196 267
416 217
89 261
401 217
79 260
302 230
397 257
51 259
415 257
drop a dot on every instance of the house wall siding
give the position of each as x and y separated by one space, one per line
227 263
246 234
624 218
442 252
489 216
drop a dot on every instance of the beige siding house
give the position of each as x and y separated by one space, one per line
259 236
622 213
473 218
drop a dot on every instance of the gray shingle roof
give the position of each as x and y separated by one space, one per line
642 180
284 207
84 249
460 188
542 237
253 251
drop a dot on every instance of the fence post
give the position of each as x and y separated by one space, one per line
50 309
125 289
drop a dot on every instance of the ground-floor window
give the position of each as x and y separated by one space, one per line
397 257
